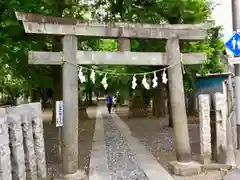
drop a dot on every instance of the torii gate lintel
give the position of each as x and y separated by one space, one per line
70 29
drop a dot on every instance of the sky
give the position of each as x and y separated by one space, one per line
222 15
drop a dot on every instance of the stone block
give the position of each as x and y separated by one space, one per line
220 105
5 163
205 130
16 145
184 169
79 175
28 143
233 175
38 140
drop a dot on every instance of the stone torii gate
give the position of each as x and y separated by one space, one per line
70 29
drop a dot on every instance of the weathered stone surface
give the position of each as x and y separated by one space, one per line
98 167
184 169
79 175
114 58
220 105
54 25
5 163
204 125
28 143
16 145
234 175
38 139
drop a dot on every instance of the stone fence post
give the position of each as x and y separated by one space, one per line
37 124
16 145
230 130
21 133
5 163
220 107
204 125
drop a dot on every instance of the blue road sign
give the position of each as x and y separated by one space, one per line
233 44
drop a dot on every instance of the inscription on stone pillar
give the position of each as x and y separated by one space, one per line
205 131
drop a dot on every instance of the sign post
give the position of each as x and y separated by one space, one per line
233 44
59 124
59 113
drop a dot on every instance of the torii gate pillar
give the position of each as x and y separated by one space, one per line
70 104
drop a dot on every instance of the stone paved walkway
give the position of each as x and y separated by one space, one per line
116 155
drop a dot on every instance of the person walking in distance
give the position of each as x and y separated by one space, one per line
109 103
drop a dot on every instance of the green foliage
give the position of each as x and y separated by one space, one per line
15 44
213 46
173 12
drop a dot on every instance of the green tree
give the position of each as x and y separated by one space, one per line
166 11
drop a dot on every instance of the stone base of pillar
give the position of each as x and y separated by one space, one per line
233 175
79 175
237 156
184 169
206 158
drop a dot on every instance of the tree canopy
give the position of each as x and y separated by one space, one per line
18 77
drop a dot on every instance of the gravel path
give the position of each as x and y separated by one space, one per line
121 160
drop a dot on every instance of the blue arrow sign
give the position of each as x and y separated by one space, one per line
233 44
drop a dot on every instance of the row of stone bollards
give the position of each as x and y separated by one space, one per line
22 152
216 130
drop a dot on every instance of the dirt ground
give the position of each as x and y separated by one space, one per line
152 132
86 130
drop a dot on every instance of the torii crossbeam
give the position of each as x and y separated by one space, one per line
114 58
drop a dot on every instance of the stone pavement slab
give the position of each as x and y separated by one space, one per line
145 159
233 175
98 168
121 160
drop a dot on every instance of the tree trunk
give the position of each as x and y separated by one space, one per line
90 96
82 110
170 120
137 105
191 103
36 95
13 100
57 89
159 96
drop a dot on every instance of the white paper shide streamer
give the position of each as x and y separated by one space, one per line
81 76
104 82
155 80
134 82
92 77
145 83
164 77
